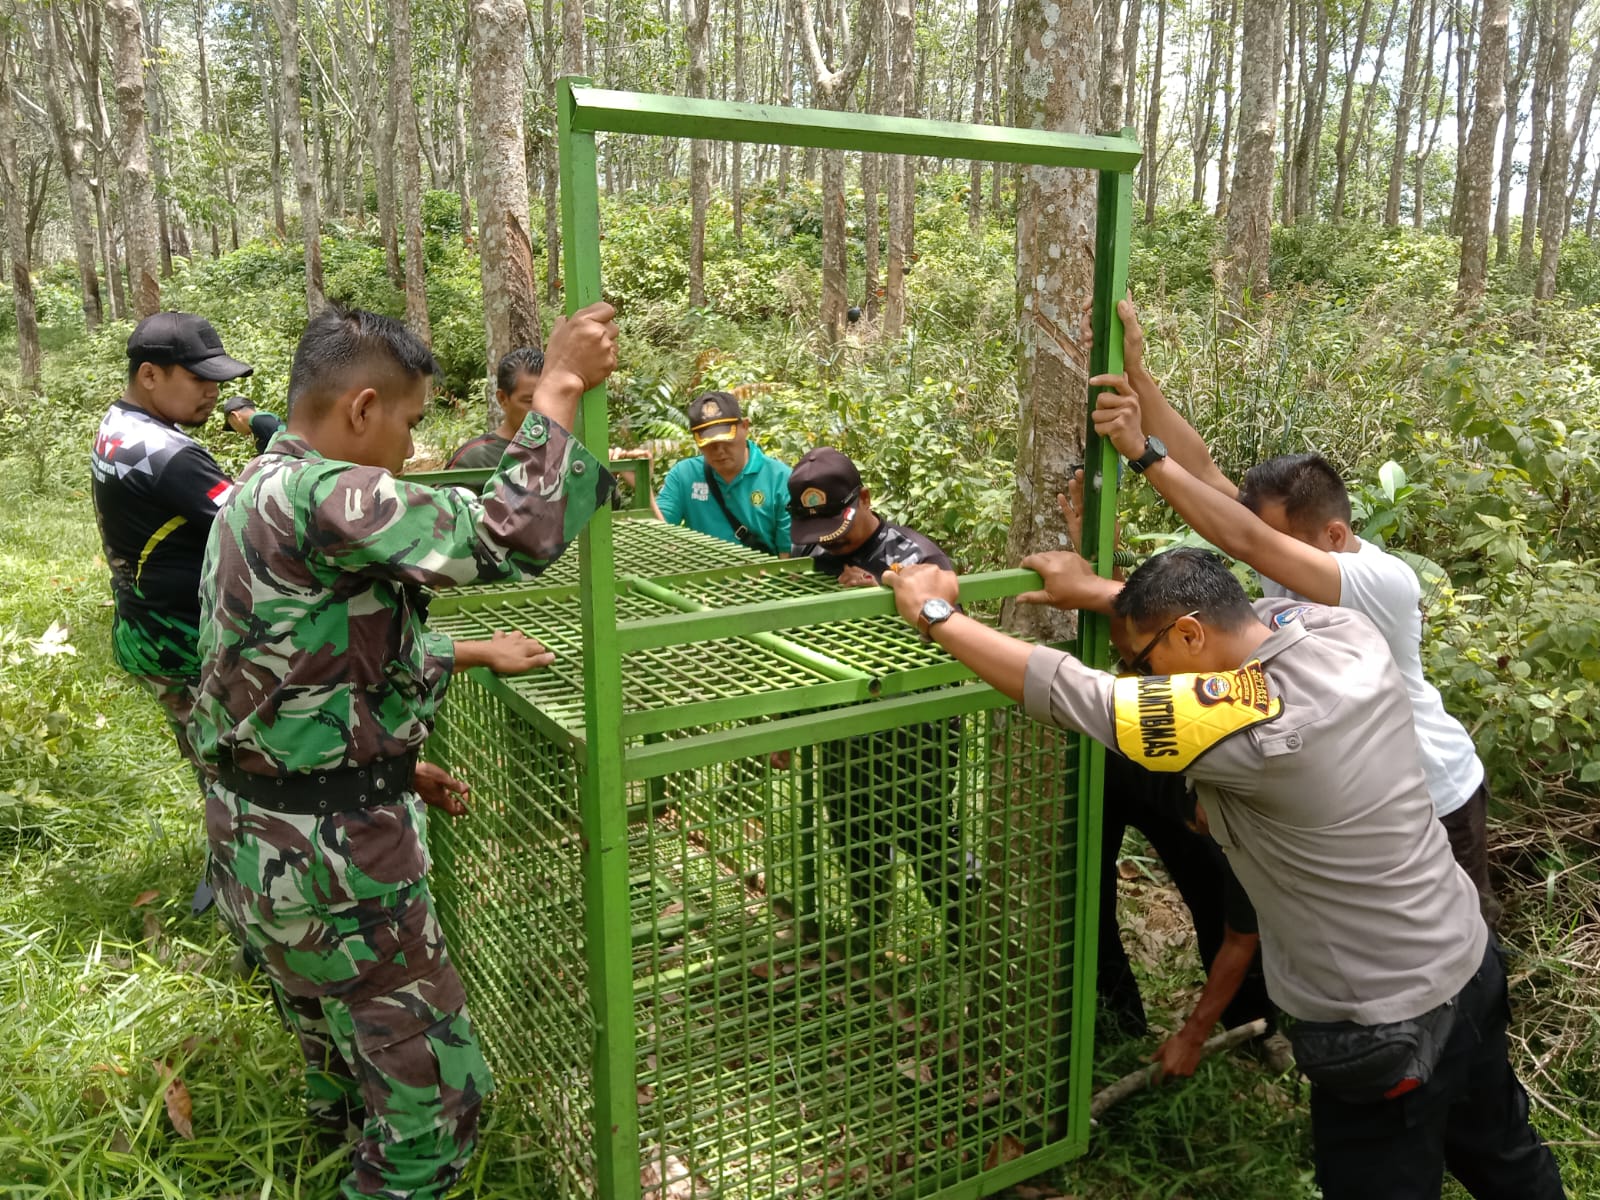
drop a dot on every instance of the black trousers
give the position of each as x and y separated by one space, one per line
889 794
1470 1117
1153 804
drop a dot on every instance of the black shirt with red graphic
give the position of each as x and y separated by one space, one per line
156 492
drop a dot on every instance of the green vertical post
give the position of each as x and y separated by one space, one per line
1113 233
605 826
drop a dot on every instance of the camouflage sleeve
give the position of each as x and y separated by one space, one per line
365 520
438 663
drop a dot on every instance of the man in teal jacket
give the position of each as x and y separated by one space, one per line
730 490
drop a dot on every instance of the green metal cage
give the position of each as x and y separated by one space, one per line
762 896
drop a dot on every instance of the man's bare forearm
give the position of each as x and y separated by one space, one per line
1183 441
997 659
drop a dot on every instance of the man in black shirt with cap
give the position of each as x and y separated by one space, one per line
886 792
156 492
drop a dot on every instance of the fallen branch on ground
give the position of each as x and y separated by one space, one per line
1142 1078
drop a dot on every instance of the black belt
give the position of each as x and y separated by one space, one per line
313 793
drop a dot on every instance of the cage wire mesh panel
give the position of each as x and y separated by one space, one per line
762 896
850 958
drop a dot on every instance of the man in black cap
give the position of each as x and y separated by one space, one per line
731 489
888 792
156 491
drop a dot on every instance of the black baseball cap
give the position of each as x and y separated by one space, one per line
714 417
183 339
824 490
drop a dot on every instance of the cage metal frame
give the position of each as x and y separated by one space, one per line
612 756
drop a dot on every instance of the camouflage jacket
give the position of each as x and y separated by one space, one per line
314 647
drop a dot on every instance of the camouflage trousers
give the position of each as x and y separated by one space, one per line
339 910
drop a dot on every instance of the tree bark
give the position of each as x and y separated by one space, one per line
1402 115
1152 116
1557 159
404 103
697 20
1130 62
1113 73
1544 55
1055 88
138 190
286 14
498 41
1425 144
1465 105
1516 76
831 90
1477 170
983 50
1202 131
902 189
151 31
383 114
1308 148
70 130
1579 139
550 164
1248 239
736 168
1225 142
272 86
13 191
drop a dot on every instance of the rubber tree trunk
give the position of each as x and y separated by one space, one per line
697 24
900 168
285 13
1542 59
1247 241
138 188
1056 89
13 194
70 129
407 154
498 40
1557 159
1402 115
1477 169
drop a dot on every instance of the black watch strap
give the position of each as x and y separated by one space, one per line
1154 452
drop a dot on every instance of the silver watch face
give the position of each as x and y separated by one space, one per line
936 609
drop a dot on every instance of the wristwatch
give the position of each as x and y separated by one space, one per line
934 612
1154 451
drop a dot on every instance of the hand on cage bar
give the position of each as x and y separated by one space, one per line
440 789
505 653
1069 581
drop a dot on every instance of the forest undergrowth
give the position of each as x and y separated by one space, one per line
137 1064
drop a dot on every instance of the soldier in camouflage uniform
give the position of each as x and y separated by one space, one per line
319 683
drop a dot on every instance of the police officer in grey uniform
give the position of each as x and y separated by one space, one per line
1292 722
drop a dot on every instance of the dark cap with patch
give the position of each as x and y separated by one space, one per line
185 340
824 491
714 417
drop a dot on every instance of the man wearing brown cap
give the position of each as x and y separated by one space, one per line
886 794
731 489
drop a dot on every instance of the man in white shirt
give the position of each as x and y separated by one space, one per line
1290 520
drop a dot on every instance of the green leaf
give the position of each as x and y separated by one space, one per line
1392 477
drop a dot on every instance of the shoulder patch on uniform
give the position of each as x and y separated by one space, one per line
1165 722
1289 616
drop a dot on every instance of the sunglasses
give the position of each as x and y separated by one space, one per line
1141 661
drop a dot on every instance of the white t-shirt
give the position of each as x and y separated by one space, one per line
1384 589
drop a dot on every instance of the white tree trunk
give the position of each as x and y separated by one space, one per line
286 14
407 151
1477 170
1248 239
1057 88
498 39
138 188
